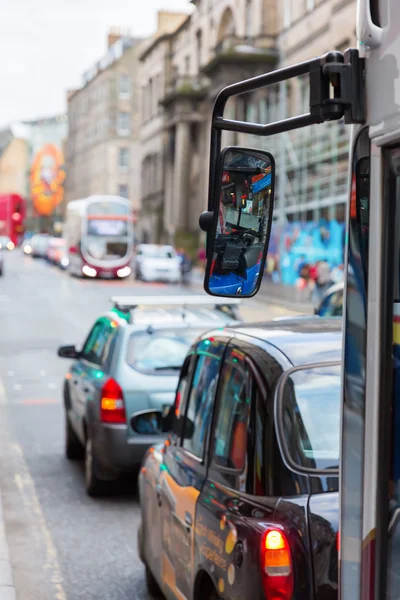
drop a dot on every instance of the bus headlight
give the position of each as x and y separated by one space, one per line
124 272
89 271
11 245
27 249
64 262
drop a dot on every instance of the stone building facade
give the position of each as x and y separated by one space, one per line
221 42
102 149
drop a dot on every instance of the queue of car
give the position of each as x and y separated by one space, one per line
234 432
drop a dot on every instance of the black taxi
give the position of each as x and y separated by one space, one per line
241 499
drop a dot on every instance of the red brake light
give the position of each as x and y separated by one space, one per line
112 406
338 541
276 565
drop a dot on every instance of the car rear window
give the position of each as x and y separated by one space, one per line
310 417
158 252
160 351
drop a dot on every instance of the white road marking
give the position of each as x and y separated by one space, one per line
42 373
17 387
52 386
3 395
27 488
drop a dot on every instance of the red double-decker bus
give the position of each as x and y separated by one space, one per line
12 216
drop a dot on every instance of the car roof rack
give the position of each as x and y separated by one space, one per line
127 304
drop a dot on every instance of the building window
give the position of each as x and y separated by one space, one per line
249 19
123 123
124 86
123 159
199 37
187 65
150 98
287 13
123 191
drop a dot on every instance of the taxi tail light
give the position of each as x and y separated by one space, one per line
112 405
276 566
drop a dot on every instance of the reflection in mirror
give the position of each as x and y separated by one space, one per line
244 221
148 422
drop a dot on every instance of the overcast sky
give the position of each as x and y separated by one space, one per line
45 45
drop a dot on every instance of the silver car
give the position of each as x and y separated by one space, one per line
129 362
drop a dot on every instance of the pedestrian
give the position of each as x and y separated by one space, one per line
186 269
202 258
323 281
337 274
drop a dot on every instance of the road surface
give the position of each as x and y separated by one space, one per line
63 545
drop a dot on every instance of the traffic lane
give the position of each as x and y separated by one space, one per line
86 547
63 545
97 294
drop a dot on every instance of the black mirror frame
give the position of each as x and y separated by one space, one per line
212 226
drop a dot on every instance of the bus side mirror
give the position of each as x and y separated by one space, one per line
239 227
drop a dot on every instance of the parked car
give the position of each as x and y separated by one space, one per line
130 361
39 244
157 263
6 243
331 304
56 250
241 500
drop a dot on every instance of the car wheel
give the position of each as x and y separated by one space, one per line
94 485
152 586
73 448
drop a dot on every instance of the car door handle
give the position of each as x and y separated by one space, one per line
188 521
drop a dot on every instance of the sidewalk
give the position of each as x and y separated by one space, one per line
7 590
274 293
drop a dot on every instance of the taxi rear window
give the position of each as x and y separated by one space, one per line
309 413
160 351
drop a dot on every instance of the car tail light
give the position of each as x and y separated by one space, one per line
276 566
338 541
112 406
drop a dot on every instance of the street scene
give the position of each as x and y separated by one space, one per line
63 543
200 300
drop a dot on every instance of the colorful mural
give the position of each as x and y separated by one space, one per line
47 179
308 242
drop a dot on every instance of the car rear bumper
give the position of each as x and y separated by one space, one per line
170 277
118 452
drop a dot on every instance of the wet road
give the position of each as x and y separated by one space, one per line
63 545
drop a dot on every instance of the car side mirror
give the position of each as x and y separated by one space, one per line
68 352
239 227
148 422
188 429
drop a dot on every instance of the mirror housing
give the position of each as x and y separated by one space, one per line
155 422
239 227
68 352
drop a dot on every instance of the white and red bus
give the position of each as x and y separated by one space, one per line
99 235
